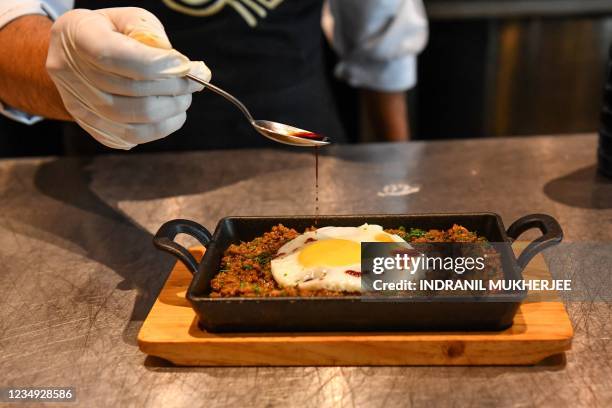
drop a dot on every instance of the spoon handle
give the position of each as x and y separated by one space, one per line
224 94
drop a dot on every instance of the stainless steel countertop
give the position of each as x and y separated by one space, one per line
79 273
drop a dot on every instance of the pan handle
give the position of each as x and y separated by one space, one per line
164 240
552 234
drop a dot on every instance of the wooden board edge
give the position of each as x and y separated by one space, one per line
444 355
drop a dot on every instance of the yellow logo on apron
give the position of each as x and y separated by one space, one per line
249 10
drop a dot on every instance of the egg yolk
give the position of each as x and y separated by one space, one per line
331 252
382 237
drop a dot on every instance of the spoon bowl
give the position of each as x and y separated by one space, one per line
278 132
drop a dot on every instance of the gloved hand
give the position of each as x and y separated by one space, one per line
118 75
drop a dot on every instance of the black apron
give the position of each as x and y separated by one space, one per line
274 64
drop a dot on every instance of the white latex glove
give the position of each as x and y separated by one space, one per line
118 89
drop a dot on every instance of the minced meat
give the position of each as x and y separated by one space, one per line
245 269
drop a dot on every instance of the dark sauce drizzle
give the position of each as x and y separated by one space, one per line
315 136
316 152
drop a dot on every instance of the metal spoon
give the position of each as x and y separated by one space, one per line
278 132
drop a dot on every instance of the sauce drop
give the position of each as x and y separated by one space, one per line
350 272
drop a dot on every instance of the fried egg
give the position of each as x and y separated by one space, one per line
327 258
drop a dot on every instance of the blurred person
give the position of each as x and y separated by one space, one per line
118 71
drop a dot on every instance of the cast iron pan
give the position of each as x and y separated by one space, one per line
351 313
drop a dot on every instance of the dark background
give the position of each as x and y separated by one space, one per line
491 68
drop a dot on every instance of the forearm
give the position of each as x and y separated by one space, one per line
24 82
387 114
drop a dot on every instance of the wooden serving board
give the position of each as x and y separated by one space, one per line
541 329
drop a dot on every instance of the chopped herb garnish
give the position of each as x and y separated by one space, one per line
416 233
263 258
